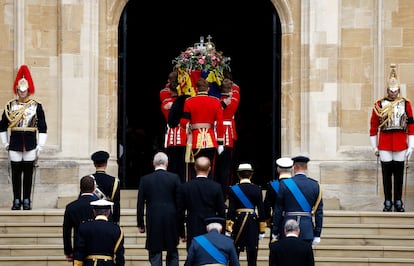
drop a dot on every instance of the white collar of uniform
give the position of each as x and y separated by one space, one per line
245 180
101 217
291 234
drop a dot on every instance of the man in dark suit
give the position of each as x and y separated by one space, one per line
300 198
212 248
77 212
201 198
108 185
290 250
158 194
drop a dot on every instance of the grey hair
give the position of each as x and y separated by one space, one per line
291 225
160 158
216 226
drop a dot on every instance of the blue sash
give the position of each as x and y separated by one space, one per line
300 198
211 249
239 193
275 185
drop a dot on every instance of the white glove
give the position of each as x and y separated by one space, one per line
374 144
220 149
274 237
316 240
38 150
41 142
3 136
261 236
409 151
227 233
42 139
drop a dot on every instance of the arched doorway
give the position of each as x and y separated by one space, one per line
147 47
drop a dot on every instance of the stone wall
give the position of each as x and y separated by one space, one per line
335 59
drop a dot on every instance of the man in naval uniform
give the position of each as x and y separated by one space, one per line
108 186
284 170
246 225
99 242
212 248
25 119
392 125
299 198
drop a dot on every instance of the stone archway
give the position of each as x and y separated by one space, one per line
257 144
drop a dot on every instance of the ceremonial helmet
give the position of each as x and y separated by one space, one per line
23 80
393 83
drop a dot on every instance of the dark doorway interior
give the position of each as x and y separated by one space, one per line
151 35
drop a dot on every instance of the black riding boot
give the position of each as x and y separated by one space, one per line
387 170
16 169
27 183
398 185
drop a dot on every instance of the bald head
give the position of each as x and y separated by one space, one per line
202 165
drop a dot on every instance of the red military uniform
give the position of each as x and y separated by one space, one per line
166 97
175 136
392 125
230 101
229 112
203 110
393 139
236 94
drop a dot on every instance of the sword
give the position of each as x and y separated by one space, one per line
405 181
9 168
35 166
376 181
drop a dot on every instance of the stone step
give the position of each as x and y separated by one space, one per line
139 250
357 238
130 228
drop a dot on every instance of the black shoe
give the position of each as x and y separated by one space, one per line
26 204
17 204
387 206
398 206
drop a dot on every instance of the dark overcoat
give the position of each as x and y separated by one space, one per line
200 198
291 251
76 212
157 202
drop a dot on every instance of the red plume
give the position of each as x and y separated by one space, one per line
24 72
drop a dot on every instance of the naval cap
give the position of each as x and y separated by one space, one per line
245 167
211 220
101 204
100 156
284 162
300 159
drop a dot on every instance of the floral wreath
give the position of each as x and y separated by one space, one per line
202 60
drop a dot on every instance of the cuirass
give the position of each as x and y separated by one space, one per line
26 112
396 117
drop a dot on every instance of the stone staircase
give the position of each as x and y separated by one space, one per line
349 238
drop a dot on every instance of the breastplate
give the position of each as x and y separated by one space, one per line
394 115
23 114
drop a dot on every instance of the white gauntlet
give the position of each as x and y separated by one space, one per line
374 144
410 148
4 139
41 142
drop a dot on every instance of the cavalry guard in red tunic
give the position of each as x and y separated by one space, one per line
392 125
